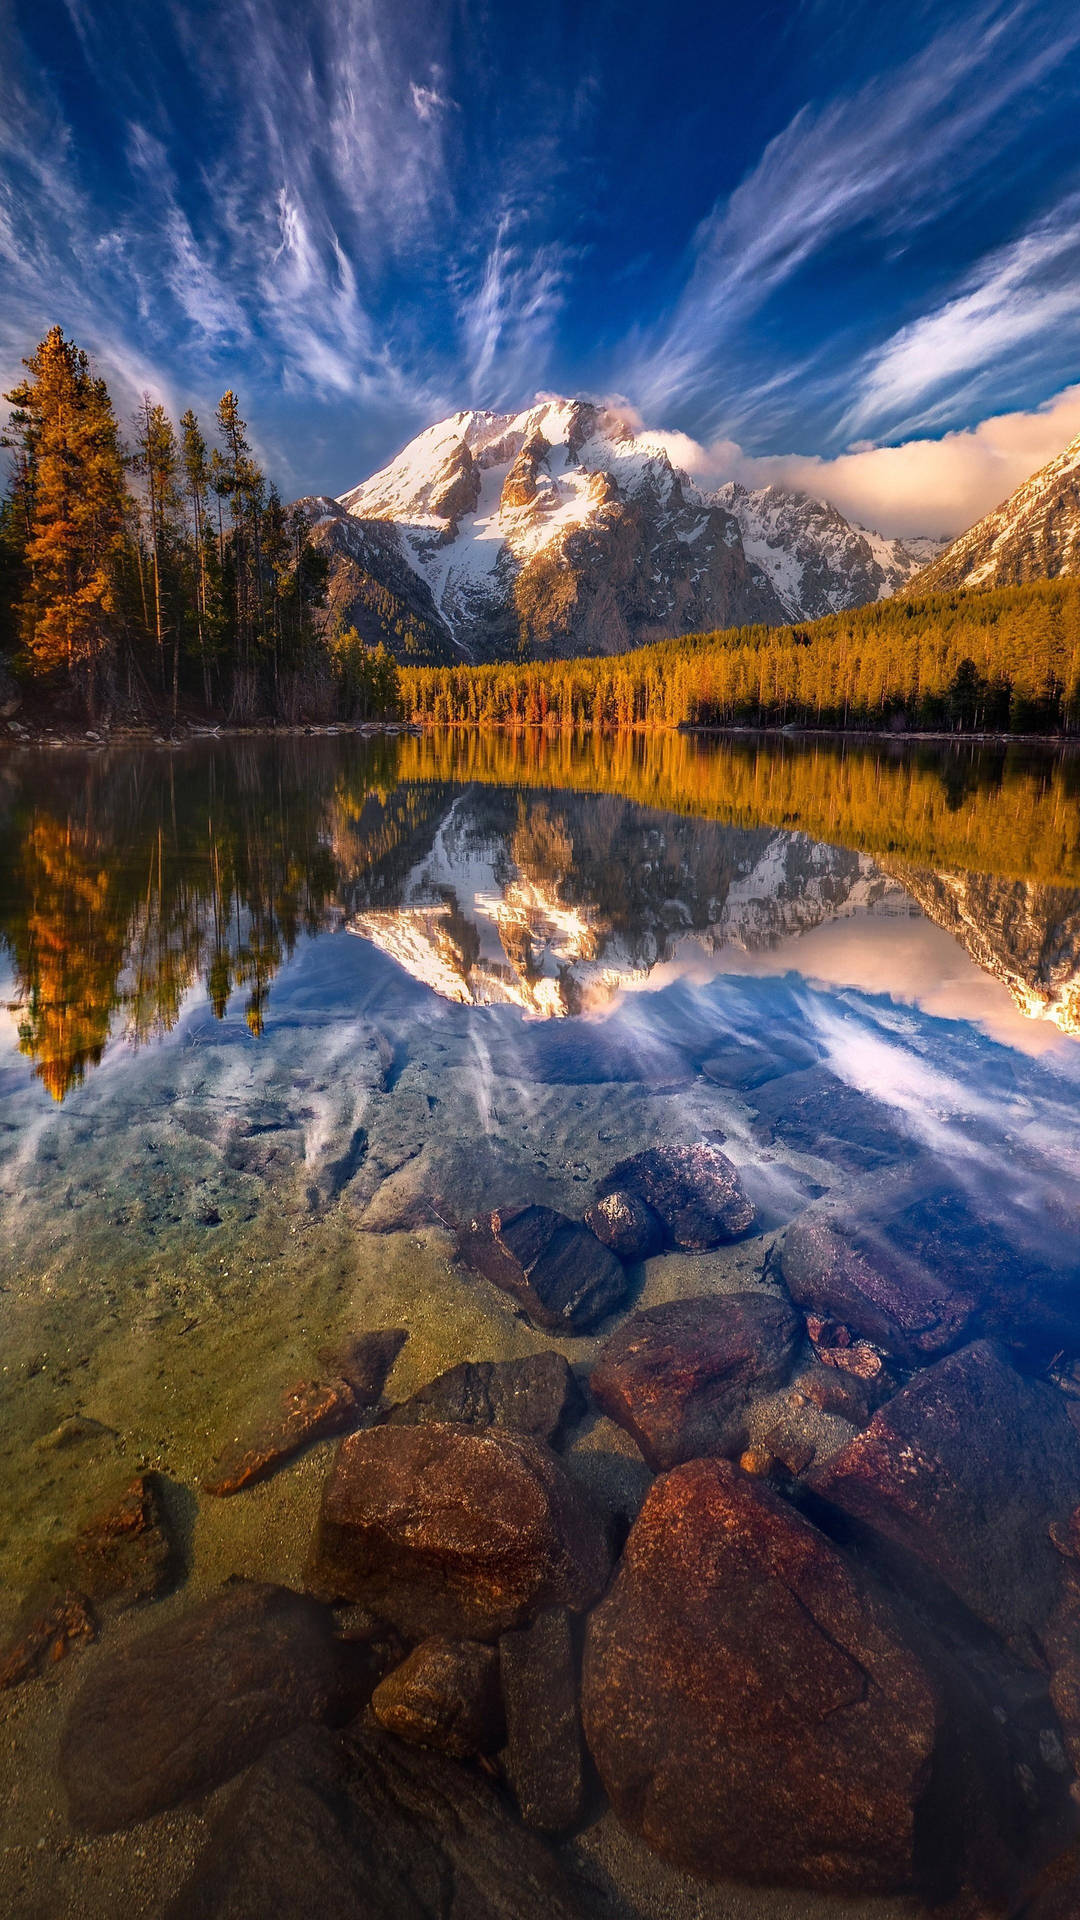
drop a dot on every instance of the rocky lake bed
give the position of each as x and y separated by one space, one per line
462 1464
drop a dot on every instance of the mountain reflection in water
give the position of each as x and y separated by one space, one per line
543 873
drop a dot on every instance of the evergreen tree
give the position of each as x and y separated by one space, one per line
70 488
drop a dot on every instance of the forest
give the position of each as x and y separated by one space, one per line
157 573
1006 660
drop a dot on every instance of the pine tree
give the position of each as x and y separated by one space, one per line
157 461
72 489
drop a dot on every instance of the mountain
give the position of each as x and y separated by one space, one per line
504 899
817 561
513 903
564 530
1033 535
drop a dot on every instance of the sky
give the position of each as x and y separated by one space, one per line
814 240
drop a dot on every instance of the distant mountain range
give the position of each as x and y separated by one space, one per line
564 530
1033 535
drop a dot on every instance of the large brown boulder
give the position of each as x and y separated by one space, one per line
188 1704
681 1377
695 1193
443 1528
747 1698
538 1394
359 1824
559 1273
967 1468
838 1266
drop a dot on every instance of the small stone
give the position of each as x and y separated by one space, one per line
860 1359
445 1695
538 1395
543 1724
127 1552
836 1265
695 1192
313 1410
626 1225
558 1272
52 1626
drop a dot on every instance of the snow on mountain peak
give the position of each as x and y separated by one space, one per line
567 528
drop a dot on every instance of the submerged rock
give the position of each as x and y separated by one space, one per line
835 1265
625 1224
748 1699
538 1394
816 1112
52 1623
681 1377
544 1762
695 1192
127 1553
444 1695
358 1823
444 1528
967 1468
558 1272
313 1410
188 1704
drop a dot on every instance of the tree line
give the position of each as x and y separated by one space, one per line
1007 660
160 571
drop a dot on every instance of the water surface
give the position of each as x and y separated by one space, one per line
267 1004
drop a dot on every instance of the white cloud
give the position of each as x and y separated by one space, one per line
893 155
919 487
1014 303
508 317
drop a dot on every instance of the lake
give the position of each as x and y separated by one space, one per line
282 1020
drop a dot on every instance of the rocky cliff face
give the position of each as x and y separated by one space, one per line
563 530
1033 535
1024 934
817 561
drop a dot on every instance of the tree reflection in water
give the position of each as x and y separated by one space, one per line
130 876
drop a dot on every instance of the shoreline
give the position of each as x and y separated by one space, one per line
20 735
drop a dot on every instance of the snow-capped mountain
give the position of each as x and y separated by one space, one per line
1033 535
565 529
555 916
817 561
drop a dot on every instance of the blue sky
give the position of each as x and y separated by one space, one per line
793 232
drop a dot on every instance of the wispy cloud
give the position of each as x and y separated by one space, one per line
508 316
1015 303
890 157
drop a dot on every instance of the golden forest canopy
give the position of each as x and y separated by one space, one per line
144 570
1007 660
130 880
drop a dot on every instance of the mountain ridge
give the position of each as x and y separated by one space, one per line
1034 534
567 529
